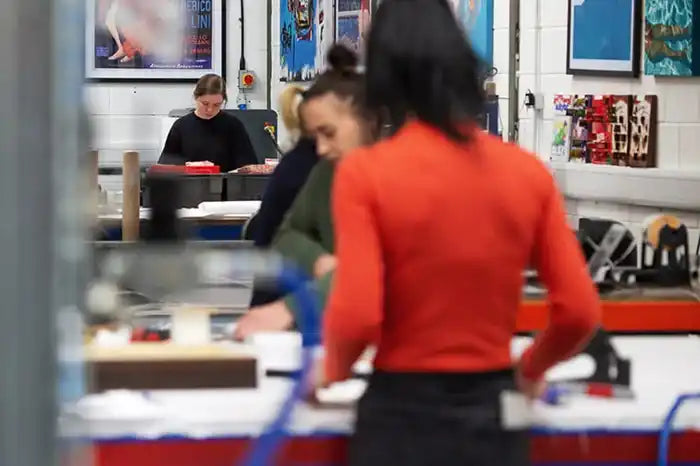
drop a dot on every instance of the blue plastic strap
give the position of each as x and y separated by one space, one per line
667 428
292 281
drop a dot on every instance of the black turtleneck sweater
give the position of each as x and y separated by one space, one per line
221 140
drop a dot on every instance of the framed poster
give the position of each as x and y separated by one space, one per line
671 42
154 40
603 37
352 24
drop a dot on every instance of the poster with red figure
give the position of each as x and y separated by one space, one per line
154 39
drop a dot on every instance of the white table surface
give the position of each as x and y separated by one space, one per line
662 368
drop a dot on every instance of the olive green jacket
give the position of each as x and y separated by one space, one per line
307 230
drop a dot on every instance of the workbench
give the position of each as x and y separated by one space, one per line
216 428
199 227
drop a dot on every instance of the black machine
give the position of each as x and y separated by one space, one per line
195 189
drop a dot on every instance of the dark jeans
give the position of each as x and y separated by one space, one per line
436 420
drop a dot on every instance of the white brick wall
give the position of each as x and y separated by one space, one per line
679 106
679 98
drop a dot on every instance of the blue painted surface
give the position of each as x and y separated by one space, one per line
679 13
598 32
298 44
477 18
200 232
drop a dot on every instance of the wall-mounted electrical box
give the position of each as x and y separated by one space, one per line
246 79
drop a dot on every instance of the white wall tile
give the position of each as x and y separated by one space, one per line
501 14
553 55
689 147
527 51
553 12
544 143
96 98
526 134
501 52
528 14
134 132
596 85
594 209
668 143
149 99
679 101
100 135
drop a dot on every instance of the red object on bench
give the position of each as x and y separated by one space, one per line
186 169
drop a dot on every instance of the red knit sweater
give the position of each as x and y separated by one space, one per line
432 238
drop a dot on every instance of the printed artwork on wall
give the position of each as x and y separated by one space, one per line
476 16
298 37
671 42
598 115
305 36
603 37
620 113
605 129
643 131
175 40
326 35
561 129
579 129
352 24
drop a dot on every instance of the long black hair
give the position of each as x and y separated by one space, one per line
420 64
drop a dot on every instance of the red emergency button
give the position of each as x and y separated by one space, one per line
248 79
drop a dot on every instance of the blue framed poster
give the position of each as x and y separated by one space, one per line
603 37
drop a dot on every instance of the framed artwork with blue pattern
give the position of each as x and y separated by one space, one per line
604 37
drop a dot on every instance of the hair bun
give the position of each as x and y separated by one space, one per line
342 58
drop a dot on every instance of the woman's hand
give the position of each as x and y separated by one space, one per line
273 317
315 381
324 264
532 389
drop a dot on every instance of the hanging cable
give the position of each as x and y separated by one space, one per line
242 65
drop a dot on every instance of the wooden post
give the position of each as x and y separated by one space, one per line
131 179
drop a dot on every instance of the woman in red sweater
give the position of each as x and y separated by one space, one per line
434 228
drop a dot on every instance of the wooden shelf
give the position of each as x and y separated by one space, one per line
648 187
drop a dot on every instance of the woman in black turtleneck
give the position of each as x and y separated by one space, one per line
208 134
